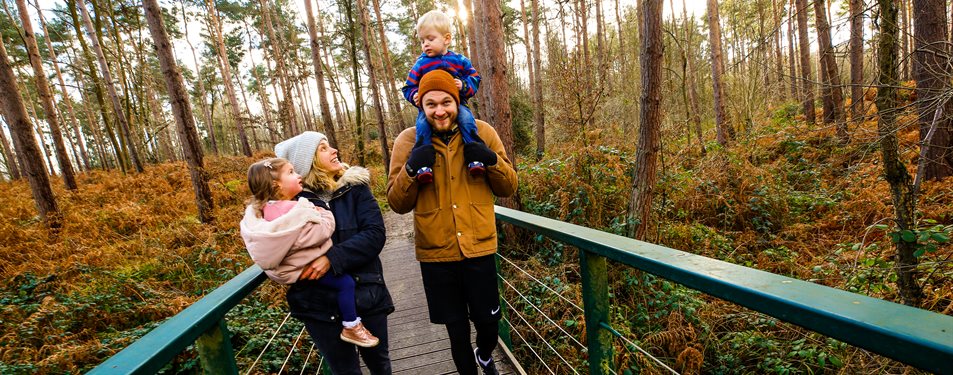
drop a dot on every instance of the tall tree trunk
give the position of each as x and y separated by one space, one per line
372 67
539 115
358 101
262 95
43 89
695 111
182 111
494 84
904 41
778 56
857 61
226 70
792 54
22 132
206 113
110 87
832 80
9 156
724 130
84 156
287 102
319 76
650 118
807 87
901 190
932 72
601 57
394 98
622 54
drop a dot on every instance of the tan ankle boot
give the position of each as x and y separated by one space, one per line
360 336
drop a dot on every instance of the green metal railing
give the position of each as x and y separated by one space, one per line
917 337
913 336
201 323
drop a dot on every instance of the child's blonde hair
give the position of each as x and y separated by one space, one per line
436 19
262 176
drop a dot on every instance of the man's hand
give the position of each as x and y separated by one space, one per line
421 156
477 151
316 269
459 83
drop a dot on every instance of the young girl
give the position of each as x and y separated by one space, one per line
284 236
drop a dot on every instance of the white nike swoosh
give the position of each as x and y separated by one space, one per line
493 312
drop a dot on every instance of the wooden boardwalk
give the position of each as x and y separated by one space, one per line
416 345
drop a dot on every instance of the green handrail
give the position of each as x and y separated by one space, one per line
917 337
203 321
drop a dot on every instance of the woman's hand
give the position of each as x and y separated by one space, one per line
316 269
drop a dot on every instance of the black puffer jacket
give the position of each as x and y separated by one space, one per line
358 240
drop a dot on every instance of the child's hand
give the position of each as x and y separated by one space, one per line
416 100
459 83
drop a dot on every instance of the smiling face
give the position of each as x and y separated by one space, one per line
432 42
440 109
326 157
289 182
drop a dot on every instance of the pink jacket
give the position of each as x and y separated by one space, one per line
286 245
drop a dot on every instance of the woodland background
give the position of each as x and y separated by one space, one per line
806 138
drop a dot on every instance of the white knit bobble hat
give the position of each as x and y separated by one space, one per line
299 150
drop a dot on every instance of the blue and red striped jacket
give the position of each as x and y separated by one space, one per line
457 65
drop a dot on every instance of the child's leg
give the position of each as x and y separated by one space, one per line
467 124
344 285
423 130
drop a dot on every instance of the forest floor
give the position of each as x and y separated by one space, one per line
132 251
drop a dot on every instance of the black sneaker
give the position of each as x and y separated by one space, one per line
489 368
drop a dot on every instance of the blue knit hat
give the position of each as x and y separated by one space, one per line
300 149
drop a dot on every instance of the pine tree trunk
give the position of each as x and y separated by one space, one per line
389 75
932 72
792 54
835 96
857 61
262 95
724 131
904 41
901 190
21 130
226 70
358 100
46 97
287 102
110 87
372 67
695 114
496 109
182 111
807 87
200 84
539 114
650 118
319 76
778 56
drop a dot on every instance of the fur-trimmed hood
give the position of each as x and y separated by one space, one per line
353 176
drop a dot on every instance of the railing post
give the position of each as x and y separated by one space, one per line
504 326
215 350
595 298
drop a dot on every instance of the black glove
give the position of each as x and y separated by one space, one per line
477 151
420 156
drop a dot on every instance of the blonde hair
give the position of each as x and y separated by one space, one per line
436 19
319 179
262 176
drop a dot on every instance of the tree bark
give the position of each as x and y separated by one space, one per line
110 87
857 61
319 76
22 132
493 69
724 131
182 111
695 112
9 156
650 118
226 69
807 88
358 101
372 67
931 71
206 113
832 81
262 95
46 97
901 190
394 98
792 54
287 101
